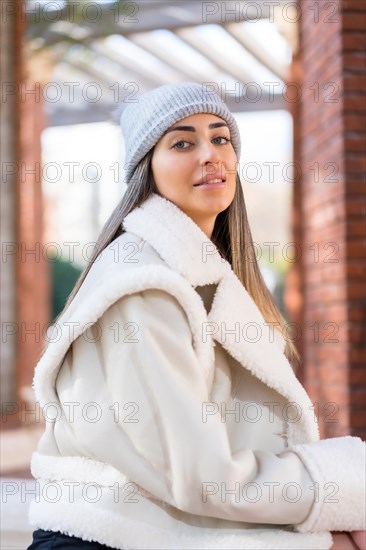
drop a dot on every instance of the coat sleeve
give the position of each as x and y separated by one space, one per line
188 462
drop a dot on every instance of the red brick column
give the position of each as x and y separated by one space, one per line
293 290
330 206
31 311
25 283
33 269
354 85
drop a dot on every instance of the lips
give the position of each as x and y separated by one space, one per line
211 178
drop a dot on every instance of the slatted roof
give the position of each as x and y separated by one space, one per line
107 52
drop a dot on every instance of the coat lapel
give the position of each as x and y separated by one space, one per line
236 322
234 319
178 240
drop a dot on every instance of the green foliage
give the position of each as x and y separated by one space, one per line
63 278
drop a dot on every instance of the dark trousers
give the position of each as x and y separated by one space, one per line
54 540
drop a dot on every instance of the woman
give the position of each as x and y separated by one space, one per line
174 418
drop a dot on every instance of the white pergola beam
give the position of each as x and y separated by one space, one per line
140 68
168 57
254 47
230 67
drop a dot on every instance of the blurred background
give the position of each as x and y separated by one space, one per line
294 75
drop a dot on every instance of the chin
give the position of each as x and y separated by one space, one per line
219 204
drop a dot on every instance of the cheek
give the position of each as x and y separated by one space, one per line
233 162
159 166
167 166
233 168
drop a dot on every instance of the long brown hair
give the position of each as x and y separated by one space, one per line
231 235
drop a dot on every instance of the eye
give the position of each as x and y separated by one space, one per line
226 140
178 144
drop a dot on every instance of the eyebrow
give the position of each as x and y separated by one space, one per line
193 129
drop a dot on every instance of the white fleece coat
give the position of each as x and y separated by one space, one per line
174 419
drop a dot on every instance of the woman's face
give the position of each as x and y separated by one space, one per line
195 150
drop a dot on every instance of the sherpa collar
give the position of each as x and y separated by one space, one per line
178 240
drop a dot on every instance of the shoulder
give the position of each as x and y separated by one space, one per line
146 291
130 276
150 310
127 251
128 265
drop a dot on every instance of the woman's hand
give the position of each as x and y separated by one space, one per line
355 540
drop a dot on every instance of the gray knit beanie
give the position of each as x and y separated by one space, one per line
144 122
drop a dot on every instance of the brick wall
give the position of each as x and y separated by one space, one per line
25 280
33 269
329 207
8 155
354 71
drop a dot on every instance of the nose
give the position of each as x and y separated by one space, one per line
209 153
